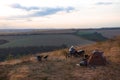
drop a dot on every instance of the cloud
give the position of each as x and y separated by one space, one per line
18 6
69 9
104 3
41 11
51 11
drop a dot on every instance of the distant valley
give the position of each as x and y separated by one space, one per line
31 41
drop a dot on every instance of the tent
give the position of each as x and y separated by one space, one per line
97 59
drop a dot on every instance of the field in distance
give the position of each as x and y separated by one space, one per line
34 41
43 40
54 37
20 45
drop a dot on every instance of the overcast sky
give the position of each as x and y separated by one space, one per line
42 14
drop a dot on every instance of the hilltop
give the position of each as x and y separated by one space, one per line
60 68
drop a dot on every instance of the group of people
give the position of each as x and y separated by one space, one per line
96 57
89 60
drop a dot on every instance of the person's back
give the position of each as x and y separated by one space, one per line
72 50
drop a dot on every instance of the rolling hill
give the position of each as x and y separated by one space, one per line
32 44
34 41
60 68
44 40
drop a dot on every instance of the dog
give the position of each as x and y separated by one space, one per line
39 58
45 57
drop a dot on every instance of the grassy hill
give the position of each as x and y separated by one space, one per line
32 44
32 37
107 32
44 40
34 41
110 33
92 36
60 68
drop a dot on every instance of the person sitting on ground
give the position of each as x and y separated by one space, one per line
83 62
81 52
72 51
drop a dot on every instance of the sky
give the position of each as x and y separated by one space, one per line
49 14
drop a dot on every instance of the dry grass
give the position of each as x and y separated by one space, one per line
59 68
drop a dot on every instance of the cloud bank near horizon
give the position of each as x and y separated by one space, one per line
104 3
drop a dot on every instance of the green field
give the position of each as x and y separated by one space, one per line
43 40
93 36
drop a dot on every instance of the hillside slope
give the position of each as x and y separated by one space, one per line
59 68
110 33
92 36
46 40
32 44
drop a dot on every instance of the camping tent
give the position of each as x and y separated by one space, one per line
97 59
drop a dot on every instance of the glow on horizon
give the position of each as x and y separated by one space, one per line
20 14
